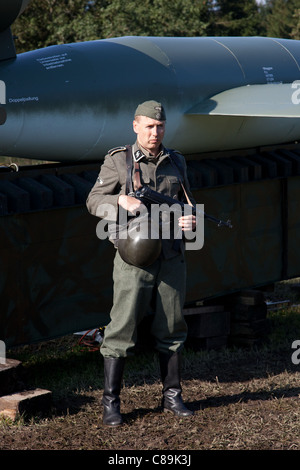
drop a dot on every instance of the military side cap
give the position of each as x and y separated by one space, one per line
151 109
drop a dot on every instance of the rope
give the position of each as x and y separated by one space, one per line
92 343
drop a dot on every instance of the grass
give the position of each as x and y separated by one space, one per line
63 366
242 398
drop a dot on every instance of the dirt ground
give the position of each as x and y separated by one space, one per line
242 400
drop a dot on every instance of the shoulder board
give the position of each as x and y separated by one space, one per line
117 149
172 151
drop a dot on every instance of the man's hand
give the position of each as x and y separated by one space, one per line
130 204
187 222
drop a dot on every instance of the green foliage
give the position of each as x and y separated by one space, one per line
238 18
156 18
48 22
283 19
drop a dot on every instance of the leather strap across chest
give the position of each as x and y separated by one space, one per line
136 184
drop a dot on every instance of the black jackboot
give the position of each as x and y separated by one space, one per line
113 374
170 375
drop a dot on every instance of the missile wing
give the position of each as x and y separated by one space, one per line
252 101
9 12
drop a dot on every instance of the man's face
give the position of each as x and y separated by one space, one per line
150 133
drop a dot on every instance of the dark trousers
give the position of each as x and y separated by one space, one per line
133 293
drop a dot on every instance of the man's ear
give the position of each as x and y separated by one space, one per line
135 126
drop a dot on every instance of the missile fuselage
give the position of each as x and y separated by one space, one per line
74 102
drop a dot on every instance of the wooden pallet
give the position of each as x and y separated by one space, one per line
15 399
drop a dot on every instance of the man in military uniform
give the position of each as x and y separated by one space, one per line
163 280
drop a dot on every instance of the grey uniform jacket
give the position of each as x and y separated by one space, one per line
158 173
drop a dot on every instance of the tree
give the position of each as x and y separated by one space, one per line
48 22
282 18
156 18
295 33
237 18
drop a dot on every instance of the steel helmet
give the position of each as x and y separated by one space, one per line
139 245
